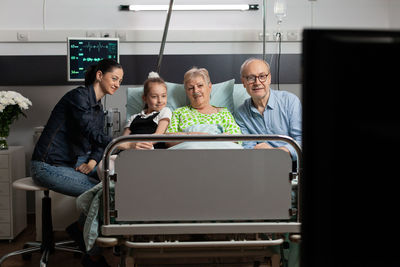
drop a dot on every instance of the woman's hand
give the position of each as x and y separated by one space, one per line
136 145
125 146
170 144
87 167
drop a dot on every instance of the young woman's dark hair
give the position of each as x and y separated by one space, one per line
104 65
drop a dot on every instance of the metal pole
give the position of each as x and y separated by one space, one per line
106 186
264 9
164 38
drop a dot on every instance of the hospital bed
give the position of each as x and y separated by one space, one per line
207 205
200 203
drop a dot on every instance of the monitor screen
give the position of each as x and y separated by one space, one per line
83 52
350 182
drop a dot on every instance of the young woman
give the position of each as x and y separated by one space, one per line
73 141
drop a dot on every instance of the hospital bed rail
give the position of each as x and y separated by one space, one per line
190 138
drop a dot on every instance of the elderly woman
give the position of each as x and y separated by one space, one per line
200 112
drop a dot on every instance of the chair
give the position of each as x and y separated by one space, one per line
47 246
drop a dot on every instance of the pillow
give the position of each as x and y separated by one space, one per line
239 95
176 98
221 96
134 102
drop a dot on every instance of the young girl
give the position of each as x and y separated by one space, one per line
153 119
155 116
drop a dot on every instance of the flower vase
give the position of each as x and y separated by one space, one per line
3 143
4 132
12 105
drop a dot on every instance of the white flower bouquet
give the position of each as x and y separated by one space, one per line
12 105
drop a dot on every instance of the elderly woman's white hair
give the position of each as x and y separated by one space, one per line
196 72
250 60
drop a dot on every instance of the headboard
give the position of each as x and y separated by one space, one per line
225 94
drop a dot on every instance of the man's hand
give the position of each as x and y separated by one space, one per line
263 146
268 146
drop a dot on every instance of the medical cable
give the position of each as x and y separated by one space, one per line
278 59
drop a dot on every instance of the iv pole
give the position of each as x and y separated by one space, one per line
264 27
164 38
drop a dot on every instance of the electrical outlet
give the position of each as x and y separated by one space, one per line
276 35
121 35
105 34
292 35
23 36
91 34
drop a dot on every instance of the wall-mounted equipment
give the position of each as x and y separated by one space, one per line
83 52
112 124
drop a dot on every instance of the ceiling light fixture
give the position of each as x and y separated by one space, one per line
189 7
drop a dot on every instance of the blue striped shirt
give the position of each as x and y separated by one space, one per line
282 115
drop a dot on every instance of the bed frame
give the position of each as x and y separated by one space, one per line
198 202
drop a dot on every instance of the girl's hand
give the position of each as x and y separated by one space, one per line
144 145
87 167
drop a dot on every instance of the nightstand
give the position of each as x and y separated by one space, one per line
12 202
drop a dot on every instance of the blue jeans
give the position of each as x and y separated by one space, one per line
61 179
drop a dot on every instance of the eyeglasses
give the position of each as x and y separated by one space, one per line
252 78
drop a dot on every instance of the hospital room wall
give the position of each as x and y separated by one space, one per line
191 33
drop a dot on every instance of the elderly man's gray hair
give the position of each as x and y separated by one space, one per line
250 60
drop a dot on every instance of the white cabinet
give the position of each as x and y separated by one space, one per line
12 201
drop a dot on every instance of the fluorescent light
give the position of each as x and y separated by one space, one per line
189 7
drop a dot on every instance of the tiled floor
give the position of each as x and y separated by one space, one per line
58 259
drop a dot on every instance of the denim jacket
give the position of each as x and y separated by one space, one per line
75 128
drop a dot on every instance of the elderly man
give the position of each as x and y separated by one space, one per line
267 111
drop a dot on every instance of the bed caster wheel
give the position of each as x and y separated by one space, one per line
117 251
286 245
26 256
